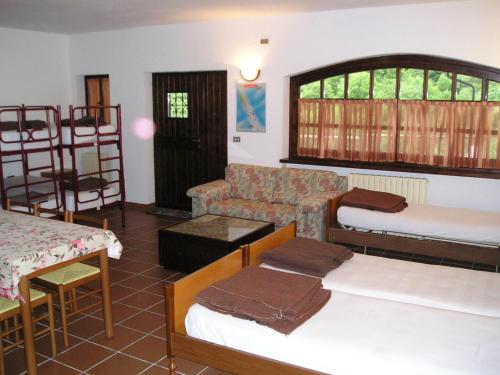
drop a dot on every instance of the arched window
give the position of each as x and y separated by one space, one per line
401 112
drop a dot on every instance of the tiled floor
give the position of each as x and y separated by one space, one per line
138 346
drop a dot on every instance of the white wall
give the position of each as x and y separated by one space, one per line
34 70
465 30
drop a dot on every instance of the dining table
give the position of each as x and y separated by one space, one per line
31 246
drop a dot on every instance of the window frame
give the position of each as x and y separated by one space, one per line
399 61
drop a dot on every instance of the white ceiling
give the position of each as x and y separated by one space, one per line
79 16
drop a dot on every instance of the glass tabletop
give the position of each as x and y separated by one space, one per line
218 227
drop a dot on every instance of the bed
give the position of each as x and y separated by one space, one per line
358 331
32 139
454 233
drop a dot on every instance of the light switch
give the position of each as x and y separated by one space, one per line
236 139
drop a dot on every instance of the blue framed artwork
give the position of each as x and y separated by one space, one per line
251 107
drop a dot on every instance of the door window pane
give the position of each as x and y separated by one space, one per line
384 85
411 84
493 91
469 88
334 87
310 90
177 104
439 85
359 85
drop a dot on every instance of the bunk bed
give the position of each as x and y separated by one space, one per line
29 135
96 178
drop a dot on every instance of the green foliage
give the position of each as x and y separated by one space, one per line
411 84
310 90
494 91
384 84
468 87
334 87
359 85
439 85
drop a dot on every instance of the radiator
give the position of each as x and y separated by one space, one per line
413 189
90 164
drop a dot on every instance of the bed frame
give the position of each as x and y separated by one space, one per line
179 296
426 246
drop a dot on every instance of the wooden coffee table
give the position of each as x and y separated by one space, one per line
191 245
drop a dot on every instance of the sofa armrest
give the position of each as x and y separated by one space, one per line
312 215
204 195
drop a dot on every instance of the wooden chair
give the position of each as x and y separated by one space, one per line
11 310
30 208
66 279
51 213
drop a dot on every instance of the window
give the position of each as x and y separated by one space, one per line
177 104
401 112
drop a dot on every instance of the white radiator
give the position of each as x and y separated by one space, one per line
90 164
413 189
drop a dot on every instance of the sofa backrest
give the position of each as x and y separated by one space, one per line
252 181
294 184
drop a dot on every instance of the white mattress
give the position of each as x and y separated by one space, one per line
438 222
362 335
40 137
451 288
87 134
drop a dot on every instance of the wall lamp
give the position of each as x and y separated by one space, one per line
249 73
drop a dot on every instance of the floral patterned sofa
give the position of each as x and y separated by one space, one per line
279 195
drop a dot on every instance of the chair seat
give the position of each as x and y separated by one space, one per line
68 274
7 304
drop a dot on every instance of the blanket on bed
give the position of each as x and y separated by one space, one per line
373 200
83 122
25 125
308 256
86 184
279 300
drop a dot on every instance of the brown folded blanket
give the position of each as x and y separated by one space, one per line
83 122
373 200
308 256
89 183
25 125
280 300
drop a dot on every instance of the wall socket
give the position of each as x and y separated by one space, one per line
236 139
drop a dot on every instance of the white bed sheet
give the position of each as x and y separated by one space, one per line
86 134
458 224
40 140
457 289
362 335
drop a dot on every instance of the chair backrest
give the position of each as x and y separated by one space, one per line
29 208
82 219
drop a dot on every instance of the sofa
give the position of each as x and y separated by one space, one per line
279 195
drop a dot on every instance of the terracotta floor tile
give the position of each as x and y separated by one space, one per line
155 370
120 312
158 288
159 308
149 348
142 300
84 355
138 282
159 272
119 364
119 292
42 343
53 368
134 266
122 337
15 363
116 275
86 327
160 332
183 365
214 371
144 322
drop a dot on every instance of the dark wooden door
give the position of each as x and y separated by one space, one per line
190 144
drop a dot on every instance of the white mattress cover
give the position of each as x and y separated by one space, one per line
458 224
13 136
87 134
362 335
457 289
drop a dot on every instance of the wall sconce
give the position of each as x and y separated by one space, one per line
249 73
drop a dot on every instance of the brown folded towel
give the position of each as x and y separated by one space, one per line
373 200
308 256
279 300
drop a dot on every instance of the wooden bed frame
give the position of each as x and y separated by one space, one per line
180 296
428 247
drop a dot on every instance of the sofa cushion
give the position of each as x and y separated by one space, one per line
279 214
295 184
251 181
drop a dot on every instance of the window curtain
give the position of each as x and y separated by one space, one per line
441 133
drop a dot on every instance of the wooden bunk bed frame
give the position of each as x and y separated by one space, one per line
180 296
52 116
97 145
425 246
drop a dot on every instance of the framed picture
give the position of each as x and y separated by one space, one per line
251 107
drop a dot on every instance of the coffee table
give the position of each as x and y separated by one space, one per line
191 245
